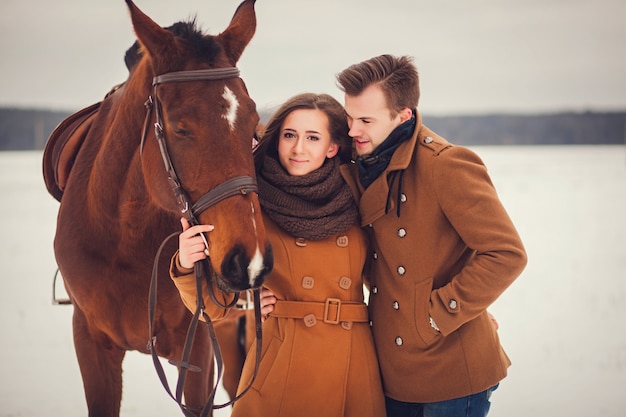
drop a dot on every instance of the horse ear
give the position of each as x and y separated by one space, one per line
240 30
150 35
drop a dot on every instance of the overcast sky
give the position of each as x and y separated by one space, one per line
473 56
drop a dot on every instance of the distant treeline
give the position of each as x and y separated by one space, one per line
544 129
28 129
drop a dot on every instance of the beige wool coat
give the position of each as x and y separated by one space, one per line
318 357
449 255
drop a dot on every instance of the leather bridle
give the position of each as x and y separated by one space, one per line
231 187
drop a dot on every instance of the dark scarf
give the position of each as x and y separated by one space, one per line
372 165
312 206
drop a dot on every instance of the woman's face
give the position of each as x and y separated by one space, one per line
304 142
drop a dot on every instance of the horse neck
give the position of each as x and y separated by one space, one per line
117 177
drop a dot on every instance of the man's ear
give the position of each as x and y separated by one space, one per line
405 114
332 150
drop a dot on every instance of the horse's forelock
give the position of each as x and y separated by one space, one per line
205 47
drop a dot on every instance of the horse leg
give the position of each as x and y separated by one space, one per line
100 363
170 345
199 384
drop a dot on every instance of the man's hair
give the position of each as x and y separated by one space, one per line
397 77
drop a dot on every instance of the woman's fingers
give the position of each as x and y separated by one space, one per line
493 320
268 299
191 244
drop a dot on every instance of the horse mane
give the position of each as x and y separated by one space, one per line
132 56
204 46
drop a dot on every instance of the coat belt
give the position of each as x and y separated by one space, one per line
331 311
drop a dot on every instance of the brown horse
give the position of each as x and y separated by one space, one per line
118 204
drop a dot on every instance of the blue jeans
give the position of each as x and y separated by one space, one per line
475 405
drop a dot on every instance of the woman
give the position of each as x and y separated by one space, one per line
318 357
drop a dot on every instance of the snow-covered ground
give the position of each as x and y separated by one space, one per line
561 322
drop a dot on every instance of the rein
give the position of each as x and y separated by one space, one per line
231 187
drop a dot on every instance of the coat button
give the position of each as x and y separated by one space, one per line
374 290
307 282
402 232
342 241
453 304
345 282
399 341
396 305
346 325
403 198
428 139
371 323
401 270
375 255
310 320
301 242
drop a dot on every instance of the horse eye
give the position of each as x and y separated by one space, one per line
182 132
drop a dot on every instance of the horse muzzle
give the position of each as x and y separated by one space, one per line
240 272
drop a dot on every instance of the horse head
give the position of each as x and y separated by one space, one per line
204 124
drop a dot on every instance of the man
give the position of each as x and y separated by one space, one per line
443 248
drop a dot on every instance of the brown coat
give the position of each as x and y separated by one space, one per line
310 367
449 255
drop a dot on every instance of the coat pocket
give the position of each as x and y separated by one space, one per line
427 334
267 361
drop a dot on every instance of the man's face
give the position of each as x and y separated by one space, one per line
370 120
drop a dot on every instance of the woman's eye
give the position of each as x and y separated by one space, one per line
289 135
314 138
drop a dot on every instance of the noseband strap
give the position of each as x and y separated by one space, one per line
237 185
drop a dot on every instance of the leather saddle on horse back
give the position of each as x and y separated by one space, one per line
63 146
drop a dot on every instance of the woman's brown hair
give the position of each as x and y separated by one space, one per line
337 125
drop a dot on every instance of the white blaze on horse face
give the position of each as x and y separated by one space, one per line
256 263
255 267
232 106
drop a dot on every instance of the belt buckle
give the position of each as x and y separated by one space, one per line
327 304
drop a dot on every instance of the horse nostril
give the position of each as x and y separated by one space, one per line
268 266
234 269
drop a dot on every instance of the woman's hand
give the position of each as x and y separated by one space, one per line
191 247
493 320
268 299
